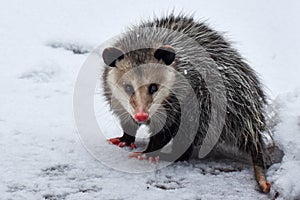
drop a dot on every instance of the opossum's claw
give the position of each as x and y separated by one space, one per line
132 145
142 156
153 159
122 144
138 155
117 141
114 141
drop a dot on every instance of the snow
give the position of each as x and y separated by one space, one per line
43 45
286 176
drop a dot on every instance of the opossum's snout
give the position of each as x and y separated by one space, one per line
141 100
141 116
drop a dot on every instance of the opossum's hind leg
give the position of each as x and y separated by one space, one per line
125 140
259 171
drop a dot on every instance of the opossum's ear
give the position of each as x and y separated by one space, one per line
111 54
165 53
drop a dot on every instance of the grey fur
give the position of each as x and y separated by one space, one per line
245 117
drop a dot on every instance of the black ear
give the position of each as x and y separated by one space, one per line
111 54
165 53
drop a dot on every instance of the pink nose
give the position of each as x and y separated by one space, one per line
141 116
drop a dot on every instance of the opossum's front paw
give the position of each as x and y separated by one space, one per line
117 141
143 156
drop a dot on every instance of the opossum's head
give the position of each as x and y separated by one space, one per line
141 79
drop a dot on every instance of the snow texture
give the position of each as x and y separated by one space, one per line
44 44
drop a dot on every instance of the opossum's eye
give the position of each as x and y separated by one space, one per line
129 89
153 88
165 53
110 55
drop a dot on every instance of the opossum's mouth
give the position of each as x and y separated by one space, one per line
147 122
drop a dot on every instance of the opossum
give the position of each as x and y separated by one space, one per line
149 72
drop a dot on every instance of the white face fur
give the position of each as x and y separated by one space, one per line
141 88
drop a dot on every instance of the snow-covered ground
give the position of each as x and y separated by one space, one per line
41 154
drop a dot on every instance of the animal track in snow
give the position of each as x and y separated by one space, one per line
76 48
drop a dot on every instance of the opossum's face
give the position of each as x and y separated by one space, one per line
141 86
